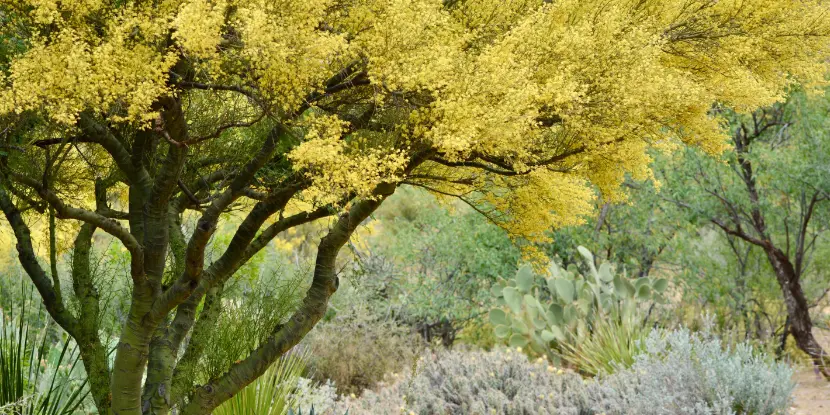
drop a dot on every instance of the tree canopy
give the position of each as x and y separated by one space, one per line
296 111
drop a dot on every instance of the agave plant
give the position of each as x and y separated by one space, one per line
270 394
36 374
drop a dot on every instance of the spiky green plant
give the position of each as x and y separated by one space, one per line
35 378
613 344
270 394
544 313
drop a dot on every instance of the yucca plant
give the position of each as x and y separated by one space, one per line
612 344
270 394
35 374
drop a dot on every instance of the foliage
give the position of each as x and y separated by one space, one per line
356 349
246 319
271 393
431 266
475 382
562 308
770 197
676 373
131 118
683 373
539 64
613 343
310 394
37 377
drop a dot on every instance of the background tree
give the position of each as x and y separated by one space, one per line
772 195
292 112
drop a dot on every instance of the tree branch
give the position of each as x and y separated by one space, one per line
324 284
29 261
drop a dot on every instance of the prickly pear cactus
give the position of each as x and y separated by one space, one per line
539 312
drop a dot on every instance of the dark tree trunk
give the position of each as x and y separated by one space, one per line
798 312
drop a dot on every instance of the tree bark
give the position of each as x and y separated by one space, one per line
798 312
313 307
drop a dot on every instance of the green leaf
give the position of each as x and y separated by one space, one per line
586 253
539 323
660 285
498 317
536 345
496 289
558 333
518 340
605 272
619 286
502 331
565 289
629 287
548 336
513 299
531 305
569 314
644 292
556 314
554 269
551 284
524 278
586 295
584 305
519 325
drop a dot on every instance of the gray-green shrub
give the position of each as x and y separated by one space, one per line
678 373
683 373
477 382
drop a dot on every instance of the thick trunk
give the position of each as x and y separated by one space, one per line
156 396
798 312
131 356
94 358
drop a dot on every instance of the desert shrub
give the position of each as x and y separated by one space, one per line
476 382
555 314
683 373
356 348
309 394
677 373
431 265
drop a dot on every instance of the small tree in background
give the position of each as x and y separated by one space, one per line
772 195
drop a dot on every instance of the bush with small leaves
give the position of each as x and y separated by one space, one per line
678 373
682 373
356 349
476 382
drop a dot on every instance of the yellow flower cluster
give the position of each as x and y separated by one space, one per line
284 50
198 26
338 168
410 45
567 96
74 69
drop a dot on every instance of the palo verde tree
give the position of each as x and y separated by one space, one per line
317 110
